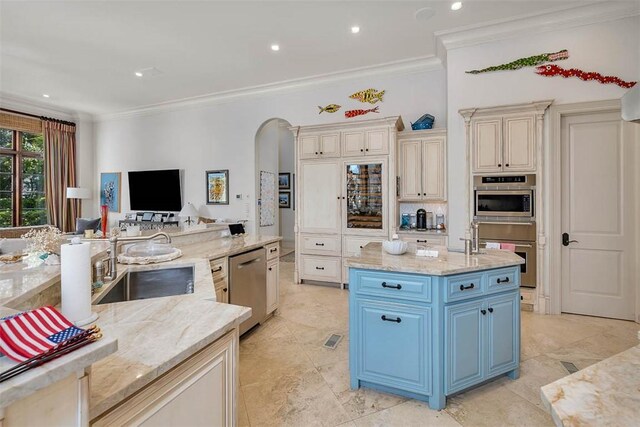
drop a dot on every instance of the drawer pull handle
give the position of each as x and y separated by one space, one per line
506 280
463 287
483 312
319 268
386 319
398 286
490 310
421 241
322 244
215 270
273 250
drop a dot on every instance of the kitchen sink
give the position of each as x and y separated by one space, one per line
144 284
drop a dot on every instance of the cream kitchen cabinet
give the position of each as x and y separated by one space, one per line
503 144
320 196
273 285
372 142
326 145
220 279
422 165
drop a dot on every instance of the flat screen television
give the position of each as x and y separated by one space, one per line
157 190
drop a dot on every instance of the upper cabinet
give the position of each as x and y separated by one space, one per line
504 139
372 142
325 145
422 165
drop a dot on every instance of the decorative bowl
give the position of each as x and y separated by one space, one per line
395 247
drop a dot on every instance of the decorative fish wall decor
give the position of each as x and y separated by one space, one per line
331 108
529 61
554 70
369 95
355 113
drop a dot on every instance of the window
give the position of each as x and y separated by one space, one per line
21 179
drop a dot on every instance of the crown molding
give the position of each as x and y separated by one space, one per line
561 18
407 66
391 121
31 106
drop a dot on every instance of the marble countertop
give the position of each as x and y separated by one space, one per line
373 257
35 379
606 393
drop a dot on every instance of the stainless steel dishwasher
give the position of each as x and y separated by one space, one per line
248 285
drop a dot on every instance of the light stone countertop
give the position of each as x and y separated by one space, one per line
606 393
373 257
35 379
153 335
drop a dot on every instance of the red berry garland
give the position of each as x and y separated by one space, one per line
554 70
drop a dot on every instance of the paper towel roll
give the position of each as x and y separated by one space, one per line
75 278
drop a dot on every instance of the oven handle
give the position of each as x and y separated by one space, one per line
505 223
517 245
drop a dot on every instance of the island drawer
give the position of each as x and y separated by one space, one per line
464 286
273 250
218 267
503 280
392 285
320 244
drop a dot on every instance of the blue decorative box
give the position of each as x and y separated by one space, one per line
424 122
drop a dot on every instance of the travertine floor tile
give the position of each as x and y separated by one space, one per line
408 414
243 417
299 399
534 373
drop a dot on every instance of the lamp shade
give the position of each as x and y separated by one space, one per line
78 193
188 210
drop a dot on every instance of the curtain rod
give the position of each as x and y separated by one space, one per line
64 122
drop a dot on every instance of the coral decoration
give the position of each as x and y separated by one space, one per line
554 70
529 61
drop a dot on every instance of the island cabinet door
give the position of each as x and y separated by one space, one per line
503 333
464 324
394 344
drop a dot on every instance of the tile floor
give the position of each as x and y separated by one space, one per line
288 378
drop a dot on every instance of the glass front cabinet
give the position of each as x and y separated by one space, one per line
365 207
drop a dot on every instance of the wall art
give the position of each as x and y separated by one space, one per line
284 200
284 181
368 95
554 70
331 108
217 183
529 61
110 190
267 198
355 113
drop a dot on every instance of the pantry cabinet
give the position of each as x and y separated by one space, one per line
346 175
422 165
273 285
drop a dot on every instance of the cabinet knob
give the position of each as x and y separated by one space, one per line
366 149
499 164
317 153
270 268
342 197
463 287
507 165
225 289
361 150
490 310
483 312
321 152
386 319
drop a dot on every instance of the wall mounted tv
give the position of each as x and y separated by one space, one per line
157 190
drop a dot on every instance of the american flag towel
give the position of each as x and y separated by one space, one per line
31 333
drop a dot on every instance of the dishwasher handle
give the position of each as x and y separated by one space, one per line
249 262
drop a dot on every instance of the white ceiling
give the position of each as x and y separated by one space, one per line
84 53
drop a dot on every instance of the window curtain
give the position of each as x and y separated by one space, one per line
60 173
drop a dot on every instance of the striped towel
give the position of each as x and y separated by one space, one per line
31 333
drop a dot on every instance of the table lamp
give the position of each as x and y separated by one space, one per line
78 193
188 210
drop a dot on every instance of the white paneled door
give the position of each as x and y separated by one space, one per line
598 216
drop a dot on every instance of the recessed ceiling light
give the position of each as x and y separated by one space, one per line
44 95
456 5
139 74
275 47
355 29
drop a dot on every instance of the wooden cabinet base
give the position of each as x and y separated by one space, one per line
200 391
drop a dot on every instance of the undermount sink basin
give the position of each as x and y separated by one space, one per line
143 284
150 248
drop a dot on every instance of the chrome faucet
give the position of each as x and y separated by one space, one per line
112 252
475 238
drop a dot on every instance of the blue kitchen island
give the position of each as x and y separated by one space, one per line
427 328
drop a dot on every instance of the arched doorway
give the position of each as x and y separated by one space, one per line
275 156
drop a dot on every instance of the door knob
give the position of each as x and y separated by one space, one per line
566 241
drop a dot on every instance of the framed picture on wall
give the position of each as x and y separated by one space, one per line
284 181
110 190
284 200
217 187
